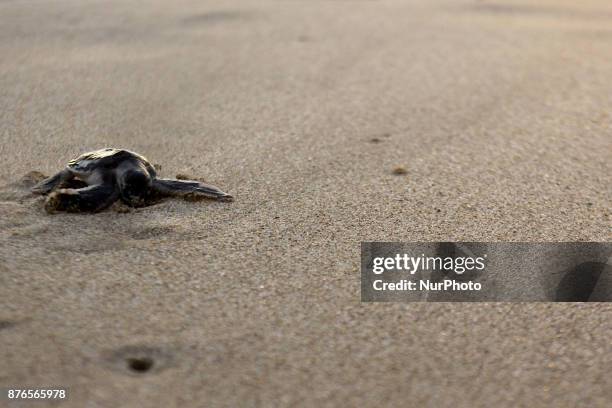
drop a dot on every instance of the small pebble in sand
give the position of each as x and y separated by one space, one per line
400 171
375 140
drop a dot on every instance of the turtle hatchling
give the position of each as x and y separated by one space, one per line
95 180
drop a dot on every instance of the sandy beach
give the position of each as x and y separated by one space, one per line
498 112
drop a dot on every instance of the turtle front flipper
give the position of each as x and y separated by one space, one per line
51 183
88 199
188 189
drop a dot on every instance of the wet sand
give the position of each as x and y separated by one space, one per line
498 113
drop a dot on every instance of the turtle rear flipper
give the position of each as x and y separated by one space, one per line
89 199
51 183
188 189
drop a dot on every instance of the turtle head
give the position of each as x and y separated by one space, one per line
135 185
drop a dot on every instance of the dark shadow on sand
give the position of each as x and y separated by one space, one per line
579 283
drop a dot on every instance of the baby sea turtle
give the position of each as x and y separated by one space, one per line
95 180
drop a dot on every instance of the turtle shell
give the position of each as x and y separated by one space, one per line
104 158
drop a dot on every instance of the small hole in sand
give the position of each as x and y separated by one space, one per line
399 171
139 360
140 365
7 324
